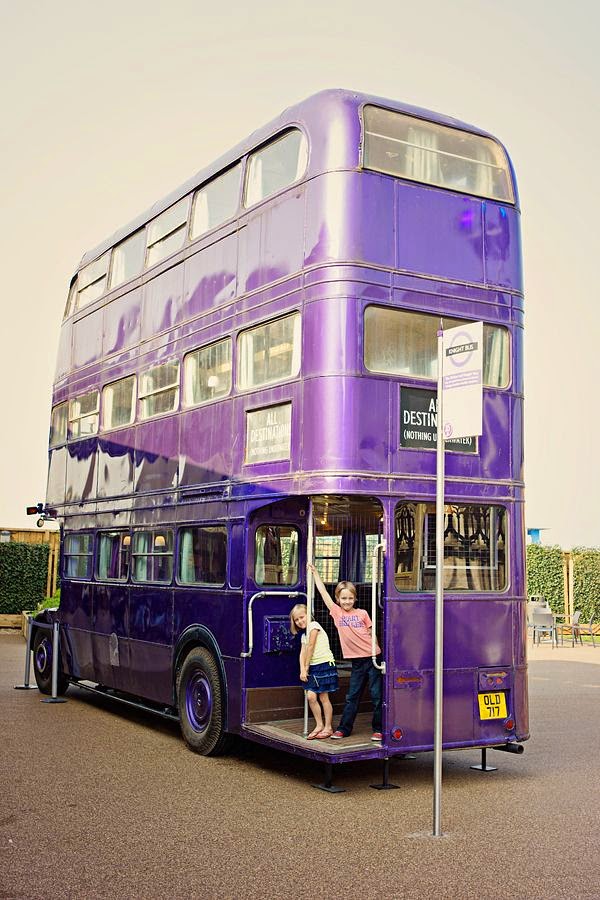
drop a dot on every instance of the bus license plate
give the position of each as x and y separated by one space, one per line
492 706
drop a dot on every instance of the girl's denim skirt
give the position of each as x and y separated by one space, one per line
322 678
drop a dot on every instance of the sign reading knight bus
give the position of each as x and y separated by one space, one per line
295 280
462 384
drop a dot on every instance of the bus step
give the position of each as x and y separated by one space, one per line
103 691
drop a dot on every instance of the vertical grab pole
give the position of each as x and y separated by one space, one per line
310 590
26 686
54 660
439 598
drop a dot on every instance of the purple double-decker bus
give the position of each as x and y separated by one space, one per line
246 382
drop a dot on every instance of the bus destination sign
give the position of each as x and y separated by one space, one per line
268 433
418 422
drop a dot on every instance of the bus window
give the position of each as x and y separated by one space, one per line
166 234
474 548
274 167
77 556
276 557
159 390
91 281
401 145
203 555
58 424
270 352
128 258
152 555
113 556
216 202
83 415
399 342
118 403
207 373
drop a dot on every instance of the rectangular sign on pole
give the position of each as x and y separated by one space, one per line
459 409
462 380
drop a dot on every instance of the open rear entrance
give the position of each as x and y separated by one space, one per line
346 534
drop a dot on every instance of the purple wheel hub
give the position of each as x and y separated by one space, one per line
198 701
43 656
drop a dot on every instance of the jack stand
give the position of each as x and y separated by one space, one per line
329 786
26 686
386 785
54 698
484 767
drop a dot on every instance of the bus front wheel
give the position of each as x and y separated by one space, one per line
42 665
201 703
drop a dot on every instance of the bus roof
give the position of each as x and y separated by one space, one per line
315 112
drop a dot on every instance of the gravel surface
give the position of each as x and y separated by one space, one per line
98 801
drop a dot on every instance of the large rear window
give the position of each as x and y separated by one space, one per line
401 145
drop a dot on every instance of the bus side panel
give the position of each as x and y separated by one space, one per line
110 630
151 642
216 610
76 616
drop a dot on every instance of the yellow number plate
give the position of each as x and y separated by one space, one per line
492 706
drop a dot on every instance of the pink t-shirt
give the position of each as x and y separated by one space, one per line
353 629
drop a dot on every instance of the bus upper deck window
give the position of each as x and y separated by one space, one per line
166 233
91 281
128 258
275 166
403 342
58 424
159 390
216 202
118 403
418 150
83 415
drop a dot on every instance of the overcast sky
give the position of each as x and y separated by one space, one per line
108 107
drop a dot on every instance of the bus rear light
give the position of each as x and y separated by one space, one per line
509 724
397 734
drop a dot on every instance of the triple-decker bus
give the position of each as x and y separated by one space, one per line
246 382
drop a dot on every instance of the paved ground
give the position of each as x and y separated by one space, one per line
100 802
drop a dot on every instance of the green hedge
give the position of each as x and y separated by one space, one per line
545 574
23 576
545 567
586 577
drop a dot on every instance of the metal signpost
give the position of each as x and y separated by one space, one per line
459 415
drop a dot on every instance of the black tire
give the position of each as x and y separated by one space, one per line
201 701
42 664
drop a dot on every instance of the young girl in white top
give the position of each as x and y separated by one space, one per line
317 670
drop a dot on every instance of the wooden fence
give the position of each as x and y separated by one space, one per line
39 536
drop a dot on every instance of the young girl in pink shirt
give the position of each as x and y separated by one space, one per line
354 629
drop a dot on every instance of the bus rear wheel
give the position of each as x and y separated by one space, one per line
42 665
201 702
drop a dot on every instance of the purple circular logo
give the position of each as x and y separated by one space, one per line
447 430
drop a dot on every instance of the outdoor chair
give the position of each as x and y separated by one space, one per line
543 624
571 628
581 628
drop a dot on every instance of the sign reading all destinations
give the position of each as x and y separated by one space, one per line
418 422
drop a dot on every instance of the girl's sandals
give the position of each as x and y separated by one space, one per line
314 734
326 733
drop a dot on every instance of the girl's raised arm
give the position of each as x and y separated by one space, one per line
320 586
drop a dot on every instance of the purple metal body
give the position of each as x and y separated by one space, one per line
329 246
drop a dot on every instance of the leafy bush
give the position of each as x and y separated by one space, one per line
545 574
23 576
586 577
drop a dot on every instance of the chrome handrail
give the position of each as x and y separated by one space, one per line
259 595
374 573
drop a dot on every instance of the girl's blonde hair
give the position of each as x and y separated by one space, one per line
299 607
344 586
